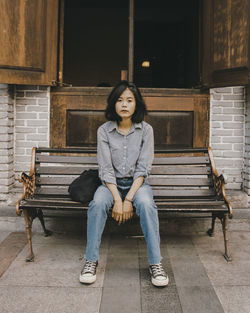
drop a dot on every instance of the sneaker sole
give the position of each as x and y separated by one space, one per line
158 283
87 280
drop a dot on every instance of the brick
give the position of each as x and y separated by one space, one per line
233 139
221 132
6 145
19 151
43 101
6 137
6 181
19 122
37 137
37 123
6 122
224 163
27 116
20 136
37 108
233 125
217 153
221 117
6 167
6 130
23 158
216 96
238 111
223 90
239 118
215 139
43 130
43 116
36 94
28 144
222 104
238 132
239 90
20 94
216 110
239 104
232 154
26 102
6 152
216 124
20 108
29 130
238 147
222 146
233 97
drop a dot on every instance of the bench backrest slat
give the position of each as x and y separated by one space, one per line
188 193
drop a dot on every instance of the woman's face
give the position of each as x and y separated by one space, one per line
125 105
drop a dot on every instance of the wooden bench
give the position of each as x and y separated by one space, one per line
183 181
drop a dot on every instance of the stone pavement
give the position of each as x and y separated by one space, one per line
201 281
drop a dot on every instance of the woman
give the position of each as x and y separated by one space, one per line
125 151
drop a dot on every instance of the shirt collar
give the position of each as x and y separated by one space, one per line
113 125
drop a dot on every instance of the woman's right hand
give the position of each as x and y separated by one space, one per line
117 211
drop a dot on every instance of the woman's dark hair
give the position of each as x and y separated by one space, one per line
140 108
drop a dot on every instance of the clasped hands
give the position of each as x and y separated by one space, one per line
122 211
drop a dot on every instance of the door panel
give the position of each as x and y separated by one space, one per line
179 118
28 41
225 42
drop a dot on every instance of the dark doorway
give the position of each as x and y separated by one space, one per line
166 43
96 38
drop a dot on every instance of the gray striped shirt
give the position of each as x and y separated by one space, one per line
121 155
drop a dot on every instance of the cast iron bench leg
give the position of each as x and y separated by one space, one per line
28 222
41 219
211 230
224 222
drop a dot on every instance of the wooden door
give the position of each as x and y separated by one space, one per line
225 38
28 41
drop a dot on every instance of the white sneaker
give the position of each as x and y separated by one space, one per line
88 273
159 277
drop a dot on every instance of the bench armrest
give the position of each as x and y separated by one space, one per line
219 183
28 182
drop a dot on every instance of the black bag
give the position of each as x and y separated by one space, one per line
83 188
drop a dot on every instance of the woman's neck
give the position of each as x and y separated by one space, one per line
125 124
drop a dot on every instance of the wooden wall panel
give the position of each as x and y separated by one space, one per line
179 119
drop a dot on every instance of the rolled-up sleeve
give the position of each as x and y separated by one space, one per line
146 156
106 170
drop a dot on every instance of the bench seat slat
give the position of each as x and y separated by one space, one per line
158 170
154 181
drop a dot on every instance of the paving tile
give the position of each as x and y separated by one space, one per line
234 298
3 235
160 300
121 299
49 299
54 265
9 249
199 299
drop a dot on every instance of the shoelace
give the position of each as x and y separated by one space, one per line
89 267
158 270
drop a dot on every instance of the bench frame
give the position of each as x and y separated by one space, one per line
30 184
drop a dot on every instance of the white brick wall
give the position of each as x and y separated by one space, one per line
246 185
31 123
227 132
6 140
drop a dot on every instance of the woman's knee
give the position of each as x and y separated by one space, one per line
102 200
143 199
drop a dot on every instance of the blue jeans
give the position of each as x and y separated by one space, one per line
145 209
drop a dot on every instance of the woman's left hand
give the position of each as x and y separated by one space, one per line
127 210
